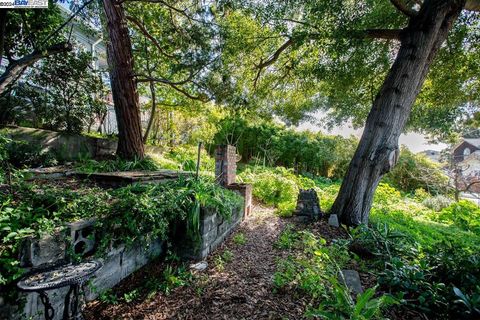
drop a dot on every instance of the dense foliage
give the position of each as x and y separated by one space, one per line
128 215
312 269
276 187
267 143
415 171
426 266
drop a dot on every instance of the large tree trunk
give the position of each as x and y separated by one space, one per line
377 152
124 88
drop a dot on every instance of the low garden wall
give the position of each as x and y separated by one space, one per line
66 147
214 229
118 262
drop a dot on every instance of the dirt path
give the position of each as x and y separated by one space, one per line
243 289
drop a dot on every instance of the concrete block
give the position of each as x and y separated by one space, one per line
47 250
200 266
82 234
208 223
333 221
209 237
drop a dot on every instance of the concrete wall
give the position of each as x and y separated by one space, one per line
214 229
66 147
118 263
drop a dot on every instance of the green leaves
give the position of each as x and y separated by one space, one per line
128 215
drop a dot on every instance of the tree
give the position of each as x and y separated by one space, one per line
63 93
27 36
173 51
378 150
415 171
124 87
72 91
462 179
342 50
123 72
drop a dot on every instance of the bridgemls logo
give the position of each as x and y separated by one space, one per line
24 4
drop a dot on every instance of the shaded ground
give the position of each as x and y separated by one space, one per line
242 289
239 289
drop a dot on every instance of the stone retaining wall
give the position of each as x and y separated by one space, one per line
118 263
214 229
66 147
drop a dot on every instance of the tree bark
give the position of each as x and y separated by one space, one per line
124 88
377 152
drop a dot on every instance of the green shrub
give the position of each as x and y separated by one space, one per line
464 214
312 269
118 164
133 214
25 154
277 187
186 157
420 194
424 275
268 143
342 306
40 211
415 171
20 154
239 239
385 194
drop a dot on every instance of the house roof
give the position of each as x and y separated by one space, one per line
473 142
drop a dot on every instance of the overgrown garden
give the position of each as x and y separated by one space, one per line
174 79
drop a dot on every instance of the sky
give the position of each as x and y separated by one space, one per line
414 141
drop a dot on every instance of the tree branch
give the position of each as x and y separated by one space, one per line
472 5
388 34
144 78
182 12
188 95
274 57
16 68
400 5
66 21
144 31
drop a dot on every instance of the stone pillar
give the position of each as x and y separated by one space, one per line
225 164
244 190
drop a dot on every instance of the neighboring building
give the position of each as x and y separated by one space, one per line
466 156
465 149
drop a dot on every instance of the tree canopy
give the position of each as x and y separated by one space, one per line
300 56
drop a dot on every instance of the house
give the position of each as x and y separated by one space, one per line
466 148
466 156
